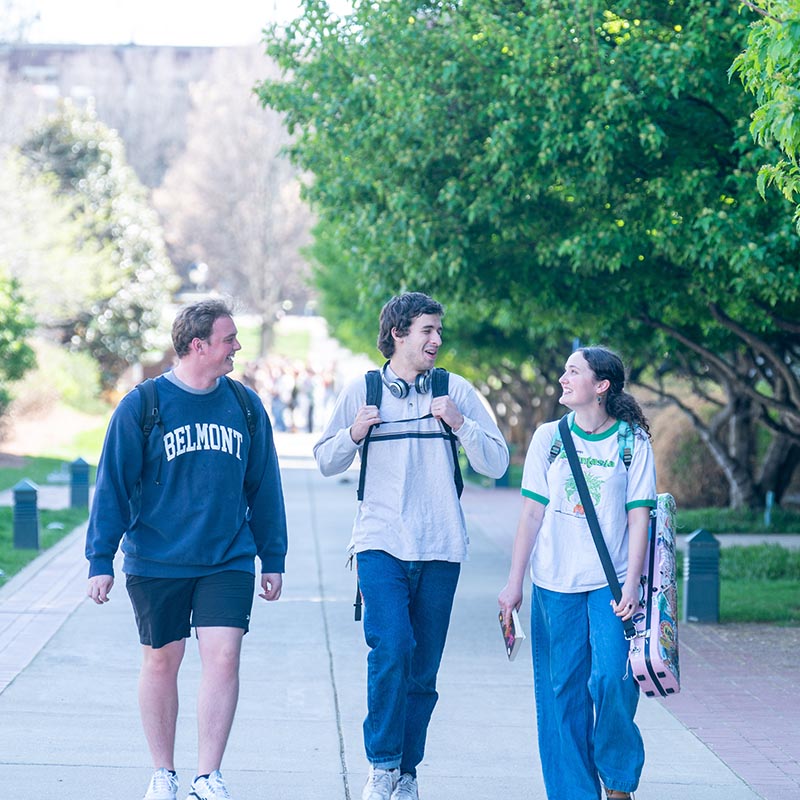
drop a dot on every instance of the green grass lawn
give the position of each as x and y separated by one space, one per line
776 601
53 526
38 469
291 344
757 583
737 520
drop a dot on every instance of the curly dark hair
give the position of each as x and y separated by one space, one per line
196 322
399 313
607 365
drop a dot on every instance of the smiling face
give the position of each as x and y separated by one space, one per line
416 352
579 385
221 347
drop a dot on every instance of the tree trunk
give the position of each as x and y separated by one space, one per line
718 438
266 337
745 493
778 466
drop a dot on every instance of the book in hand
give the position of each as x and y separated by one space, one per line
513 635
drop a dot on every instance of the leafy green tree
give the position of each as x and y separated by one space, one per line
40 243
769 68
132 279
16 325
565 170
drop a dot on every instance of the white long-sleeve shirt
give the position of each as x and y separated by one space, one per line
411 508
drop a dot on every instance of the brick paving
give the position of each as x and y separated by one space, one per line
739 691
739 695
740 686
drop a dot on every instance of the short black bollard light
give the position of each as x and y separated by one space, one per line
26 515
79 484
701 578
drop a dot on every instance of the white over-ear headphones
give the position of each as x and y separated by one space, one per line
399 388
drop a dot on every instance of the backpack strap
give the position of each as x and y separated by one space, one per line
625 439
555 447
148 416
440 386
374 387
440 383
374 393
246 403
625 436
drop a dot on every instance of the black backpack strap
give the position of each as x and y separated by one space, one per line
440 382
245 401
440 386
591 518
374 394
358 604
374 387
148 416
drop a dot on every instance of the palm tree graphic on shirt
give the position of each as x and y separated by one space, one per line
595 486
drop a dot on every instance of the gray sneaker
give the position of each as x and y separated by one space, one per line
210 788
406 788
163 786
380 784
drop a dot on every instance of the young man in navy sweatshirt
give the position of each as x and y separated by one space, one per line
193 501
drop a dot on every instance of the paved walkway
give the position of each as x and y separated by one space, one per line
68 669
740 684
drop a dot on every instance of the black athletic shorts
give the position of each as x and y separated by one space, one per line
166 609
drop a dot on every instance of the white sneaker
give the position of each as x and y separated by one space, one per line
210 788
380 784
406 788
163 786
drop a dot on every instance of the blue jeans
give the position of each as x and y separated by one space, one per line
407 608
585 696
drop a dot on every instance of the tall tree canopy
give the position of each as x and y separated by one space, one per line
132 279
555 170
41 244
16 326
230 200
769 67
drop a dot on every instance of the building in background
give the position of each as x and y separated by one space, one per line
140 91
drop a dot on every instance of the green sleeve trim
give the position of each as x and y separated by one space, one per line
641 504
533 496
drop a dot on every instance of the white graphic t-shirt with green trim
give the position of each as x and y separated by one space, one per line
564 557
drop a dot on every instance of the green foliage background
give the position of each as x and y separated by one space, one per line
129 280
554 172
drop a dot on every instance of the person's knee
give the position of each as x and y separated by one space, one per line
162 661
614 688
393 652
221 654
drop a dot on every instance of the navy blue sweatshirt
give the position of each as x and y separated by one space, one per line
197 497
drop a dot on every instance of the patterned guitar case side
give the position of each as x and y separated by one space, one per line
654 650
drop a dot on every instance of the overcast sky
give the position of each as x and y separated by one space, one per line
175 22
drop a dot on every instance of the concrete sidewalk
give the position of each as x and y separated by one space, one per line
70 727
